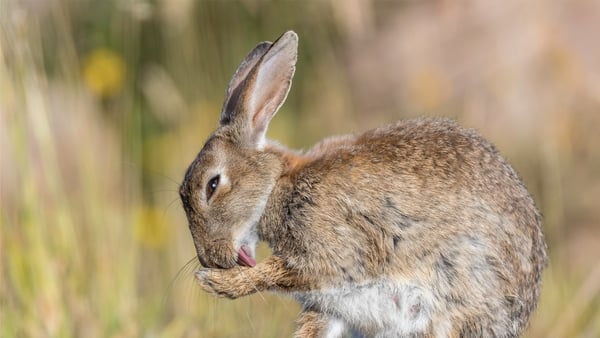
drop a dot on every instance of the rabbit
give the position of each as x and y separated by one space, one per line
415 229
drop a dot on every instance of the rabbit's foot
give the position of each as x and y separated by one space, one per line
272 274
228 283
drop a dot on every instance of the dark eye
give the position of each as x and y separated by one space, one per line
212 185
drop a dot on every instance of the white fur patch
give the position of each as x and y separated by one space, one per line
390 309
260 143
335 328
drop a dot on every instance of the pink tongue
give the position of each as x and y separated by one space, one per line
244 258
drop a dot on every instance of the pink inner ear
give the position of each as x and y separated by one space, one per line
262 116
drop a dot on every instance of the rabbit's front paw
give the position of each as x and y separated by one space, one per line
224 283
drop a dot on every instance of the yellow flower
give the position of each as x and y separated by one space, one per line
104 72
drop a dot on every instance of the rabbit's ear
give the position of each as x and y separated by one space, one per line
252 103
242 71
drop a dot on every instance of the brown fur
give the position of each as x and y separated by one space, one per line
424 200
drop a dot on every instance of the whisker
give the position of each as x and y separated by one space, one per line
184 270
250 321
170 205
192 291
155 172
158 173
165 190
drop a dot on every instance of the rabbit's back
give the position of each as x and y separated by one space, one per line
422 209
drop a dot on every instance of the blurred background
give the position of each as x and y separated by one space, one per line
103 105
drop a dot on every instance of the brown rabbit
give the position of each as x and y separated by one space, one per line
416 229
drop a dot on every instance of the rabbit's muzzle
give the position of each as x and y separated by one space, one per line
217 254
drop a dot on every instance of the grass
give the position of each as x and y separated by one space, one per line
103 106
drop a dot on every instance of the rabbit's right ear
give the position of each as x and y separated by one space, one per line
258 88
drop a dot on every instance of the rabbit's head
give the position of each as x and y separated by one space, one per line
226 187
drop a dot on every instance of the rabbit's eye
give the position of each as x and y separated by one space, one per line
212 185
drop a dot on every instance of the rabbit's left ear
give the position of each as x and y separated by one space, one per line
251 105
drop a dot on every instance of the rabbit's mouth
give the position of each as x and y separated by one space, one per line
244 257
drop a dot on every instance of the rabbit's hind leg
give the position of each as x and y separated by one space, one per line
315 324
